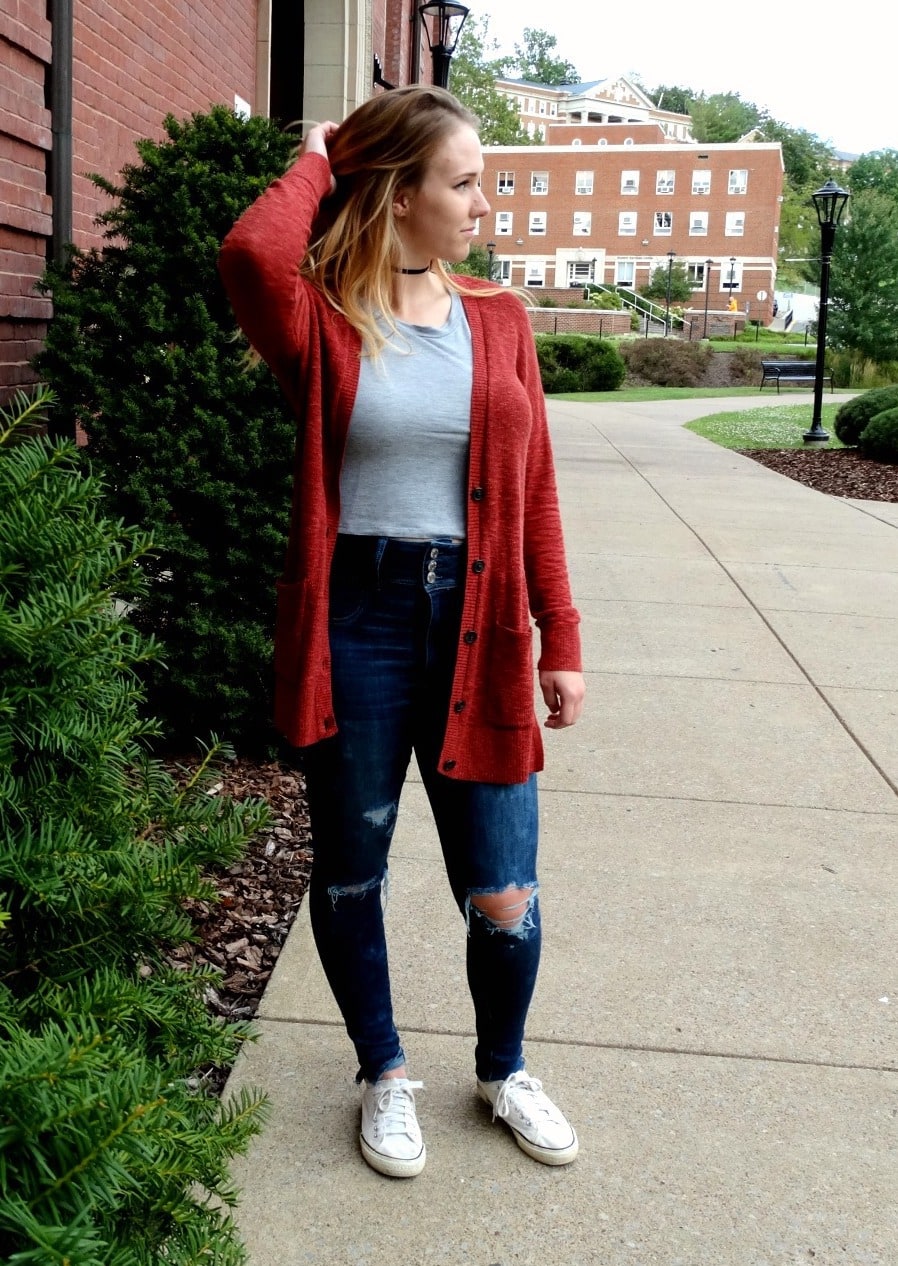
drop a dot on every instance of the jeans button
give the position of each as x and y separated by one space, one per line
434 553
448 764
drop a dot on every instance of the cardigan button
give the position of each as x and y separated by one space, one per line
477 494
459 706
478 566
448 764
470 637
328 723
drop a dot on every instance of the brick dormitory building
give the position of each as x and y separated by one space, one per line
613 185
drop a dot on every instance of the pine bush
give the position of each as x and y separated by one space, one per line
879 438
111 1151
193 446
854 415
578 362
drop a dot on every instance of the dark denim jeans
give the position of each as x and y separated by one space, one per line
395 614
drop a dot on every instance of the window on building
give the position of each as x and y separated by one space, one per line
735 224
696 275
535 274
698 223
582 223
537 223
539 182
628 140
505 182
603 140
502 270
731 275
625 272
503 223
664 181
626 224
701 182
576 142
663 224
580 271
629 182
738 182
583 181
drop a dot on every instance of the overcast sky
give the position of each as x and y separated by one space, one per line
812 65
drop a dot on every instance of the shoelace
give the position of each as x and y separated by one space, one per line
395 1106
508 1098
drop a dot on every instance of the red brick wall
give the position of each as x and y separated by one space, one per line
136 62
25 222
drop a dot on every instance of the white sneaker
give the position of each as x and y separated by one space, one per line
391 1137
539 1127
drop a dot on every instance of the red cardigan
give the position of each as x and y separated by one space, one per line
516 560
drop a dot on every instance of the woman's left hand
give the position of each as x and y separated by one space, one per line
563 693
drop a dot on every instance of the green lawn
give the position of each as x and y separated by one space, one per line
765 428
655 393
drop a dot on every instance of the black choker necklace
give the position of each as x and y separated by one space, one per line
412 272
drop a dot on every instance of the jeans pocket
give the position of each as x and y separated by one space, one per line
348 598
509 678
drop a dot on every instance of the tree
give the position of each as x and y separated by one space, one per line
475 69
533 60
193 446
863 315
722 117
668 97
680 286
112 1149
877 171
477 264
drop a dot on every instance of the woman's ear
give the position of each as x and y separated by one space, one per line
401 203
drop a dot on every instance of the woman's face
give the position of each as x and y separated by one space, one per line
437 220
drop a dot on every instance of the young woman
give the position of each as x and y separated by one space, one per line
425 533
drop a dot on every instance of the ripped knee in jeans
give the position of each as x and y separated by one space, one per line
510 910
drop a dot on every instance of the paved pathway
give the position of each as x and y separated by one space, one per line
718 1005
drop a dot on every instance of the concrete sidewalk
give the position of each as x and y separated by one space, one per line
717 1009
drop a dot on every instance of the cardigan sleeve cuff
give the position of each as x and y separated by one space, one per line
560 649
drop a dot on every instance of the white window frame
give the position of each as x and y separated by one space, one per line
725 276
625 272
701 182
580 271
584 181
539 183
502 271
698 223
735 224
504 183
535 273
737 182
537 225
629 183
626 223
504 223
582 224
695 274
665 181
662 223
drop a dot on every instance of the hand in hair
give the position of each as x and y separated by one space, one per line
316 140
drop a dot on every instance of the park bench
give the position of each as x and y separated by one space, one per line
789 371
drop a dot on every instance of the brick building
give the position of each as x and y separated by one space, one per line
610 100
80 83
609 204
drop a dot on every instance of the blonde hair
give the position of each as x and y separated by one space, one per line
383 147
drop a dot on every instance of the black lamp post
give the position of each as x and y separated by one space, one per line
490 252
708 263
443 30
829 203
671 255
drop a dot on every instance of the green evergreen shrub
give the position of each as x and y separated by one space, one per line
879 438
578 362
666 362
142 354
111 1151
854 415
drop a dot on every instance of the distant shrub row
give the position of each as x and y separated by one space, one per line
578 362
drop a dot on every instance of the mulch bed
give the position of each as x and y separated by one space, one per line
242 935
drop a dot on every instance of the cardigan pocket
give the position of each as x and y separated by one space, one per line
508 679
292 599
